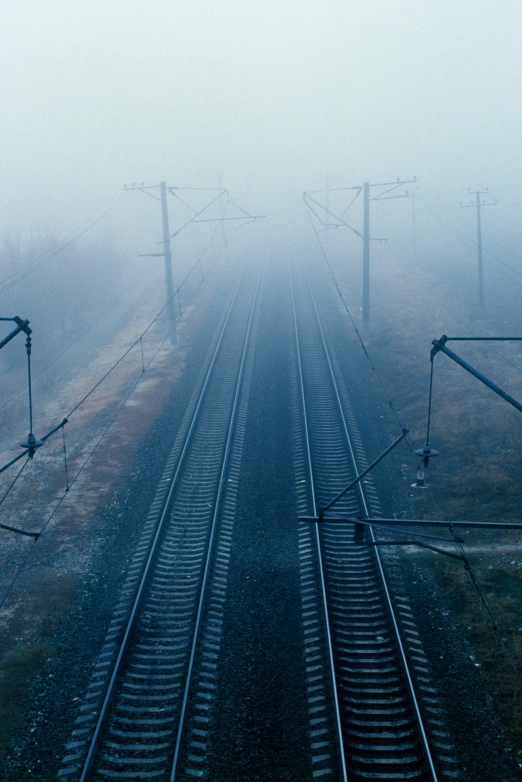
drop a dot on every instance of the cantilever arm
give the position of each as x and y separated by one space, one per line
440 345
359 478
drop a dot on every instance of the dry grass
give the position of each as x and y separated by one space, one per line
500 577
27 648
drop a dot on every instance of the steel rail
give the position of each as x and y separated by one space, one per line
360 488
102 717
319 554
210 548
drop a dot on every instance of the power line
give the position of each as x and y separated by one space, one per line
473 244
113 367
511 209
131 347
167 236
44 258
75 341
137 340
382 195
508 648
363 345
479 203
502 247
500 631
441 219
89 456
34 535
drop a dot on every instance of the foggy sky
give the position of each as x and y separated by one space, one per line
272 94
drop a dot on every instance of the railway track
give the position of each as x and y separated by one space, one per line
356 655
155 708
144 716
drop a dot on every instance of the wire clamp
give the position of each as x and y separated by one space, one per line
438 345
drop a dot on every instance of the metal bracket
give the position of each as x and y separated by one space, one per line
438 344
21 325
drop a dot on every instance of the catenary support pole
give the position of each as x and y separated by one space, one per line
366 262
167 253
478 204
325 215
383 195
167 236
479 253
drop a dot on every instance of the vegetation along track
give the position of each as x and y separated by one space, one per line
356 657
144 715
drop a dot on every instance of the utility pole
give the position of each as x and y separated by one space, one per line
366 261
327 195
414 222
323 215
381 196
167 253
221 208
195 218
478 205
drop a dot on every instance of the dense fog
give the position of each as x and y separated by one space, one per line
261 101
267 99
274 95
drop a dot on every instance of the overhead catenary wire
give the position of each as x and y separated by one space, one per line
362 343
125 354
142 362
491 238
495 262
85 331
507 645
307 197
508 648
72 237
69 485
108 427
18 531
139 338
498 627
473 244
193 219
506 359
501 633
65 420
